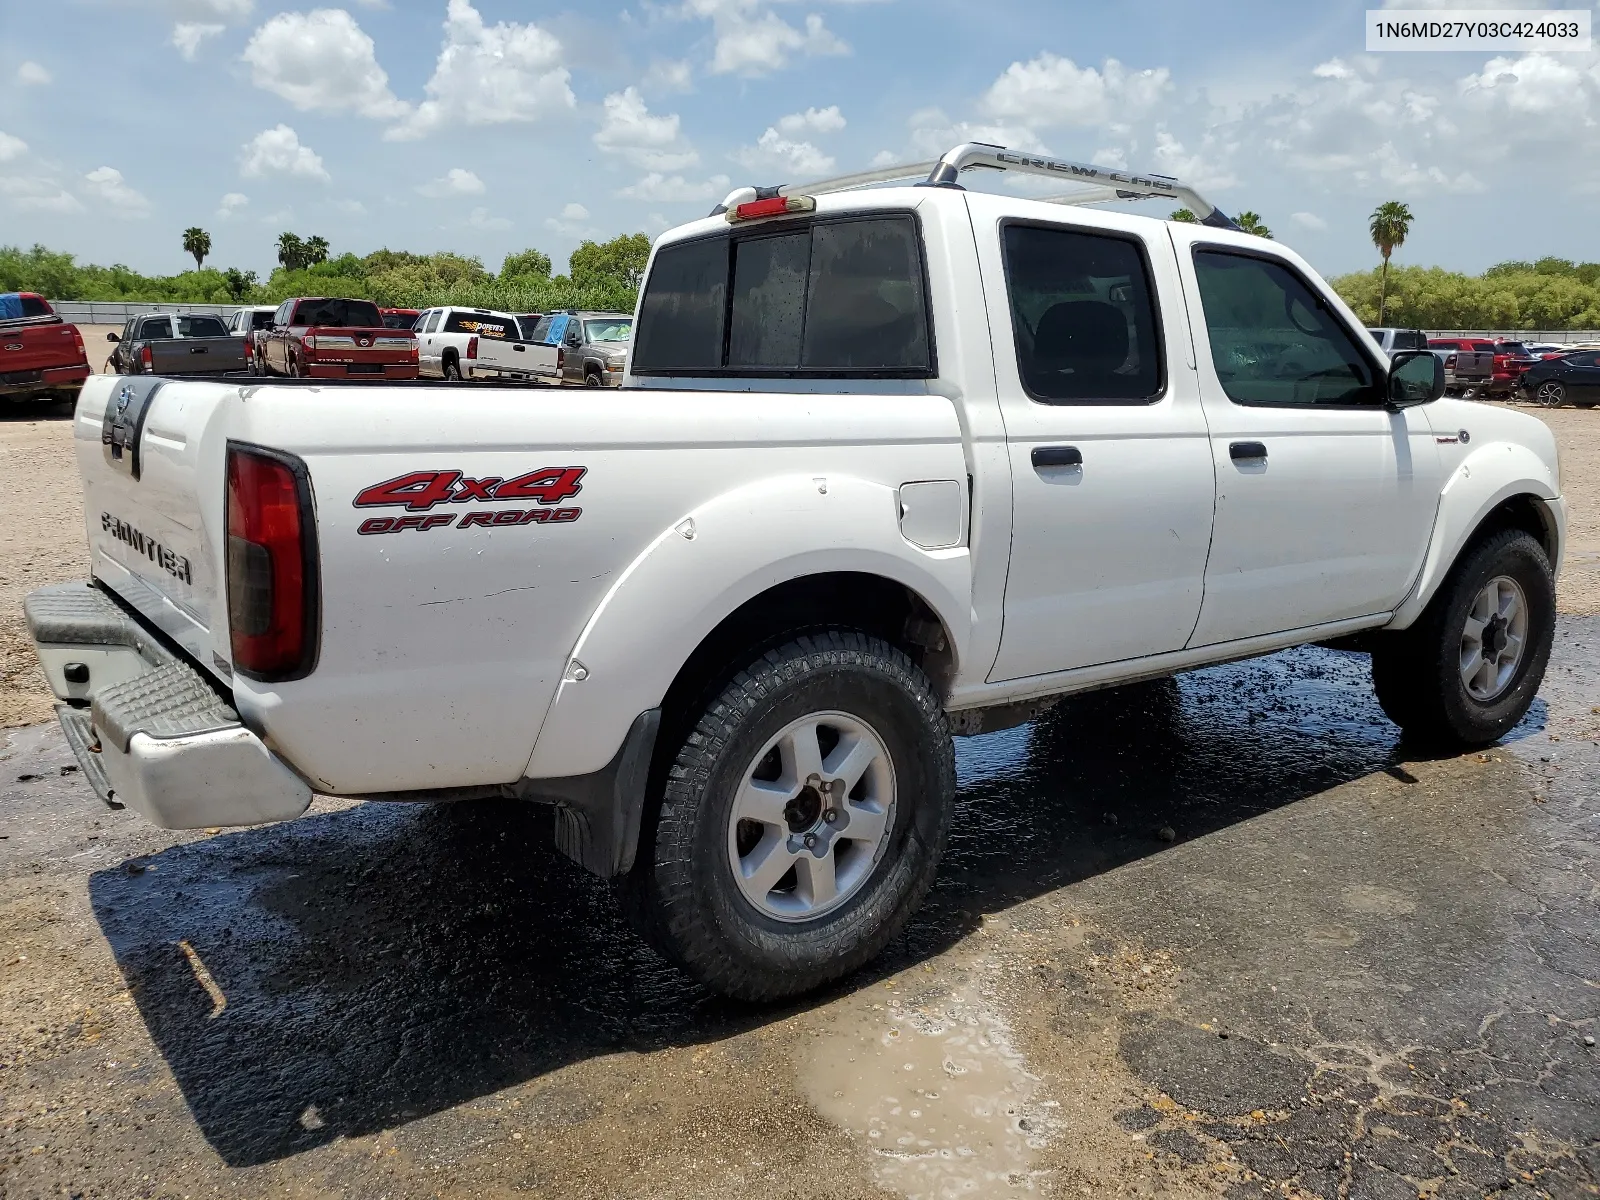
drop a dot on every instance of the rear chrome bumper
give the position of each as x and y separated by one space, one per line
152 732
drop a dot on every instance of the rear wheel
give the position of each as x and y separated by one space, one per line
1551 393
452 368
802 821
1467 671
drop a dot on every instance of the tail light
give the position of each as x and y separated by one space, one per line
309 341
1449 360
147 359
273 610
472 347
77 340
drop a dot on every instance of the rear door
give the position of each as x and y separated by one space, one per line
1581 374
1325 499
428 359
1110 463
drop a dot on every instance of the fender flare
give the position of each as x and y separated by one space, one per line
1484 480
702 567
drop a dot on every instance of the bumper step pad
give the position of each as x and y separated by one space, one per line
172 701
81 615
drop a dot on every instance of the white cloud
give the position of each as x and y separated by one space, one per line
457 181
213 10
277 151
1334 68
1049 91
479 218
31 74
11 147
107 185
813 120
231 205
187 36
753 40
573 222
352 208
489 75
322 61
1534 85
1199 169
37 194
932 133
885 158
668 75
653 142
675 189
1308 220
774 152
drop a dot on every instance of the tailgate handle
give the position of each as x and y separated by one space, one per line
1057 456
124 421
198 349
1247 451
519 349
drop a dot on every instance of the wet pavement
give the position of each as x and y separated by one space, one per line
1218 936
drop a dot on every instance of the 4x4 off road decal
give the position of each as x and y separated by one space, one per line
420 491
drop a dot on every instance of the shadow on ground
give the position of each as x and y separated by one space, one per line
384 962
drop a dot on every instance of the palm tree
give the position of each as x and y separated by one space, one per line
1249 222
291 251
1391 221
316 250
197 241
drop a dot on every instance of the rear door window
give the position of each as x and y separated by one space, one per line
832 298
433 322
1083 315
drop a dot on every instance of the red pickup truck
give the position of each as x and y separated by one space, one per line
41 356
320 337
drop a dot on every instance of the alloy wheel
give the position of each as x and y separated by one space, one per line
1551 394
1493 640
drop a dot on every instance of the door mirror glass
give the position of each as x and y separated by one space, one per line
111 337
1415 377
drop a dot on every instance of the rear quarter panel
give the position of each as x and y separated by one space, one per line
443 647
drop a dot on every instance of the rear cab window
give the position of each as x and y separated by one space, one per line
201 327
338 314
156 327
482 324
836 296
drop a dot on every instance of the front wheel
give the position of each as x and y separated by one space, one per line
592 379
803 819
1551 394
1468 670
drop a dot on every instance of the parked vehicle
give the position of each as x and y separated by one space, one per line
1467 371
1389 340
319 337
41 356
727 617
400 318
250 323
570 347
1570 378
448 338
177 344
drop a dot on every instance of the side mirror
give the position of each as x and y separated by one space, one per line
1415 377
111 337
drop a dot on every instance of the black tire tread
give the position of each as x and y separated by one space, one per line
658 894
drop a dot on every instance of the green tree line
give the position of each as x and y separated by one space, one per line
601 275
1553 293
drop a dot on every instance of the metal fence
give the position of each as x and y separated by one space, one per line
1558 337
115 312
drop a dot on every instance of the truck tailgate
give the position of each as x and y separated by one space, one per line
30 349
196 356
145 491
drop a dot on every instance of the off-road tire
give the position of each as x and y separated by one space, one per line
681 894
1416 672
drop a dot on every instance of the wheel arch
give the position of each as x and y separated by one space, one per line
1480 501
737 575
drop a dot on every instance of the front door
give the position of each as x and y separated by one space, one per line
1325 498
1580 373
1110 463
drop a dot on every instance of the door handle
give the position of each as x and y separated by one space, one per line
1246 451
1057 456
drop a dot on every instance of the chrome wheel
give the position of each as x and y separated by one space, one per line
1551 394
1493 640
812 817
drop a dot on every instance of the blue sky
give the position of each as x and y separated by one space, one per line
485 126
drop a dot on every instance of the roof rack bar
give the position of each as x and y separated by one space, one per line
1104 184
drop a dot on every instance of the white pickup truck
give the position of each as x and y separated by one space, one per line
889 463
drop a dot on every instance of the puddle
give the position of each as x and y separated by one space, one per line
935 1093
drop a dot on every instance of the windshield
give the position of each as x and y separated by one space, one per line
616 329
338 314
